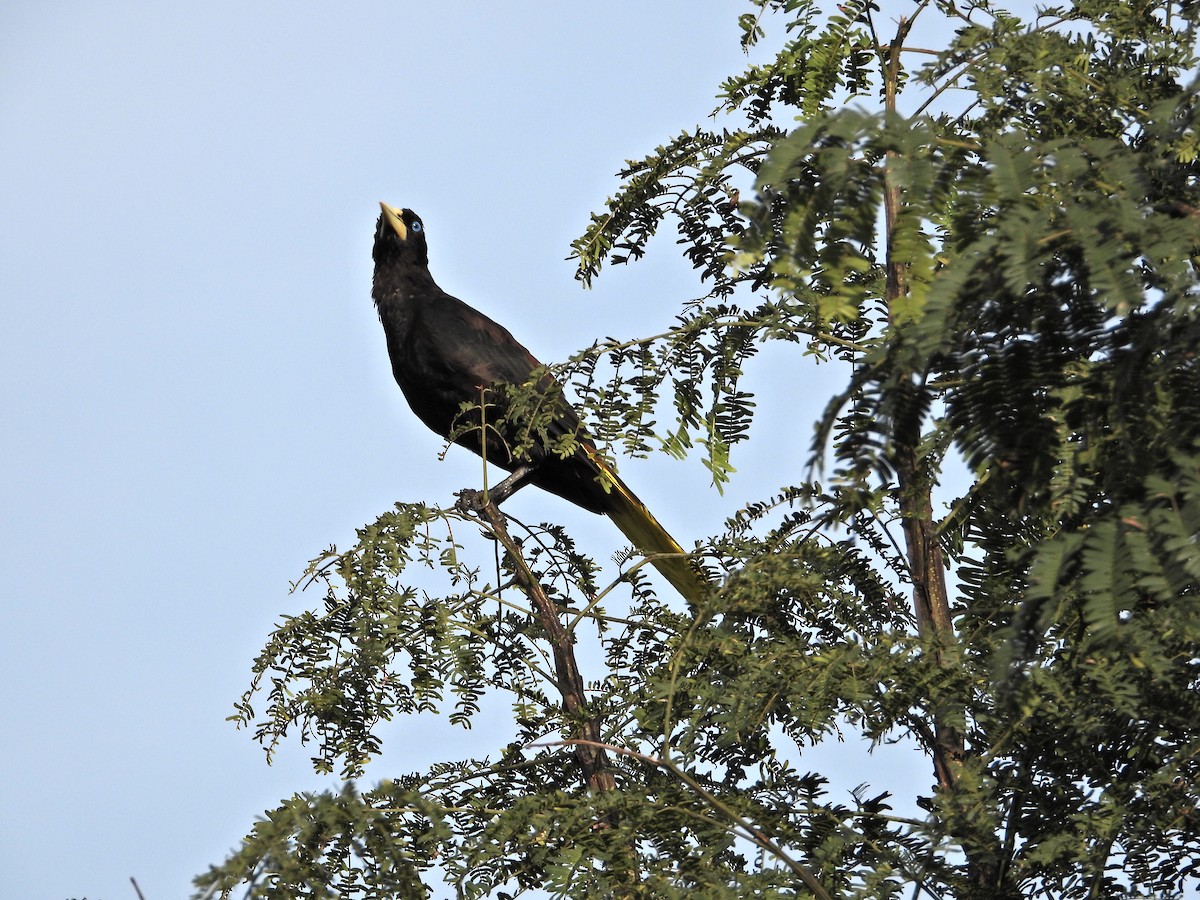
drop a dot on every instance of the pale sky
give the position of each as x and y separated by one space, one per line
196 397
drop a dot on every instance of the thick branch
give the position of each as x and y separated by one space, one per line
931 602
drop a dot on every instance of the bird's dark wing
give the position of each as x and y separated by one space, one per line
475 344
455 354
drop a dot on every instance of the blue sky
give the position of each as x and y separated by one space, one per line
196 396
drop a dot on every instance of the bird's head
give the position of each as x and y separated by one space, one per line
399 237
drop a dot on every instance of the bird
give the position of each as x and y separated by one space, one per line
451 362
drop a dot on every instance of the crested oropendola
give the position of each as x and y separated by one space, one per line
445 354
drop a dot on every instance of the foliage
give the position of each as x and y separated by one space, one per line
1000 257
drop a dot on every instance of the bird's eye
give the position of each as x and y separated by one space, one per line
416 226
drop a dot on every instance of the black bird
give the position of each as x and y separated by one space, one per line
445 354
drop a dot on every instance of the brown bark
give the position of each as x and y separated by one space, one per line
931 602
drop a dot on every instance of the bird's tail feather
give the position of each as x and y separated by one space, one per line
639 525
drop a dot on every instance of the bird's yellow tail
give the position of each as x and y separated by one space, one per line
639 525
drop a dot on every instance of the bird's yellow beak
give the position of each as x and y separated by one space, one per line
391 215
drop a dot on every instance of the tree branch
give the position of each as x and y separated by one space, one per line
592 759
931 602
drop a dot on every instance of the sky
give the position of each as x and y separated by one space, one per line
194 388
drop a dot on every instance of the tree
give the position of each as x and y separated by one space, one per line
997 241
